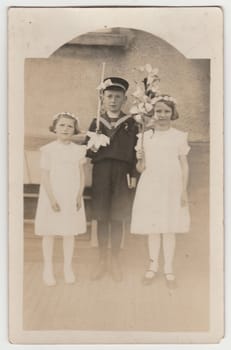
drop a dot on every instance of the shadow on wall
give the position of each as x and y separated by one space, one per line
68 79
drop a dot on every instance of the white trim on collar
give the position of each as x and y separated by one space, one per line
120 121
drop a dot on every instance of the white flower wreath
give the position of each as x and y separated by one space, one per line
63 114
164 98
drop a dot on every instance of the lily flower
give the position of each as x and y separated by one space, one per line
97 140
134 110
139 93
104 85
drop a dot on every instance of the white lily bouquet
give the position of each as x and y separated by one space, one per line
145 96
144 99
96 138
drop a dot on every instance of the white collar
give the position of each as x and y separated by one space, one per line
119 121
113 115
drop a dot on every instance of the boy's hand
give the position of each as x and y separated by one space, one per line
184 199
79 202
94 149
55 206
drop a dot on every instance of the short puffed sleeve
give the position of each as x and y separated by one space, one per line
82 154
45 159
183 147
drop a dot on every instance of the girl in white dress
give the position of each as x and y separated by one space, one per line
161 203
60 209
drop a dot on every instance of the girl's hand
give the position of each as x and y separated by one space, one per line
184 199
140 154
140 166
78 202
55 206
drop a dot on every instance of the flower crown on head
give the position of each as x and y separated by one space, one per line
163 98
63 114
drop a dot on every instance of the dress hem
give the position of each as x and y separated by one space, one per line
60 234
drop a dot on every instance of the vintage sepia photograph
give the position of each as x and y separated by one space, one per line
115 168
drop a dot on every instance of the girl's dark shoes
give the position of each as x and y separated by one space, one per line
150 273
149 277
170 280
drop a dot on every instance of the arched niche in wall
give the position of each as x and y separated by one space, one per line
68 79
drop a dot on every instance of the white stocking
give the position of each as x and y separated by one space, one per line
169 244
47 247
154 251
68 250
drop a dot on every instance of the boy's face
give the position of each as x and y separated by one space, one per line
113 100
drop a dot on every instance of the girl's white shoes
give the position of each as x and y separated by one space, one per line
69 275
48 276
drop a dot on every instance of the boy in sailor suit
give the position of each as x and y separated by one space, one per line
111 192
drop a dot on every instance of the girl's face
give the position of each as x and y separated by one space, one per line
113 100
65 128
163 114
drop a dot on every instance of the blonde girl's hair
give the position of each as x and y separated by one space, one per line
170 102
69 115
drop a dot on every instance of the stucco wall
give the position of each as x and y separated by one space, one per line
68 81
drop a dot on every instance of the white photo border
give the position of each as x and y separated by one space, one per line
216 152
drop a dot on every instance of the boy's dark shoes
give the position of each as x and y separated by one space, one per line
100 270
116 271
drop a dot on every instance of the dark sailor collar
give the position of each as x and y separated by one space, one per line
104 119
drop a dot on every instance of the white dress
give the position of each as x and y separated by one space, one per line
62 161
157 205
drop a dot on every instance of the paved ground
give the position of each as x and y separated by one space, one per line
106 305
